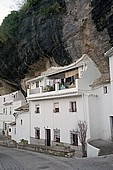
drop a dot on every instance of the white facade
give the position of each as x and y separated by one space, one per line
101 123
8 104
21 128
58 99
51 111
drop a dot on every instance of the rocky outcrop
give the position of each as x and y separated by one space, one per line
57 32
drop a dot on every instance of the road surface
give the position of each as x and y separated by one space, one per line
16 159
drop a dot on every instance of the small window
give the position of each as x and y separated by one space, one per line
4 99
73 106
37 109
3 110
37 133
9 129
37 84
56 107
6 111
74 138
15 130
21 122
10 110
56 135
105 89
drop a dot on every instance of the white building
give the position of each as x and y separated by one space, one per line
102 121
8 104
58 99
20 127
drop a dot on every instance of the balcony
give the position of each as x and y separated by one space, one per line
34 91
50 91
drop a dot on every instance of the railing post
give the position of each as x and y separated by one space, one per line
41 89
56 86
28 92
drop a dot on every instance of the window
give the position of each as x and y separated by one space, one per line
74 138
21 122
105 89
10 110
37 133
4 99
37 84
15 130
9 129
56 107
56 135
3 110
73 107
6 111
37 109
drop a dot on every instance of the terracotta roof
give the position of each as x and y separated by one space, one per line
104 79
13 123
23 108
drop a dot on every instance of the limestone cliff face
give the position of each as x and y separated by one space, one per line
57 32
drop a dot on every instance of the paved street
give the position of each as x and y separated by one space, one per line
14 159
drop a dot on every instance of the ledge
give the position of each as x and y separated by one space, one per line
57 151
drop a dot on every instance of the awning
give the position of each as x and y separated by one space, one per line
71 73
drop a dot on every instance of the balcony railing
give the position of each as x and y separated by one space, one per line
34 91
59 89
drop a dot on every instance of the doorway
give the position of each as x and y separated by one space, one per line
48 137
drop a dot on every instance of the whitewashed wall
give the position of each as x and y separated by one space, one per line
22 130
64 120
10 102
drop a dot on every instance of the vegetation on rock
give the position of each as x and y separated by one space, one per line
102 16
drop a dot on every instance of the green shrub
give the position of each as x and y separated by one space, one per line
24 141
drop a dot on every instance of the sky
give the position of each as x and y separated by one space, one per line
6 6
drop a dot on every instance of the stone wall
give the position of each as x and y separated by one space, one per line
58 151
41 142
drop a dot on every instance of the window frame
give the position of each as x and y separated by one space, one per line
21 122
56 108
56 135
6 110
37 135
3 110
72 106
76 137
105 89
37 109
9 129
10 110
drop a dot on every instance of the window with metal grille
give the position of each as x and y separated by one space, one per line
74 138
37 133
56 107
56 135
73 106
